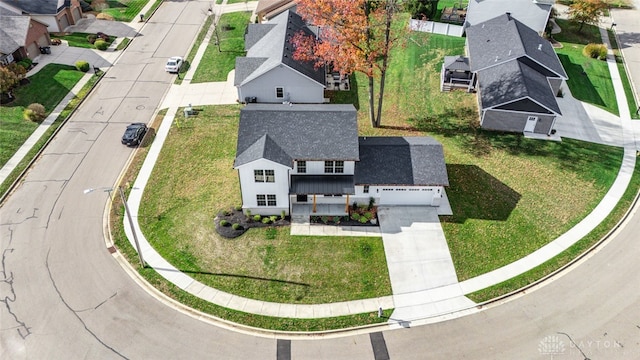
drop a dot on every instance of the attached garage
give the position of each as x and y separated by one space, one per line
64 22
407 196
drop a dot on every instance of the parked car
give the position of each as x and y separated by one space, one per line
174 64
133 134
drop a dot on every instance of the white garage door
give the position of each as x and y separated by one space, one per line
406 196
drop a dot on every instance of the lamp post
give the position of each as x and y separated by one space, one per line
133 231
126 209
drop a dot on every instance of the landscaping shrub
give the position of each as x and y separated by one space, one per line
91 38
238 208
101 45
249 214
25 63
257 217
35 112
283 214
224 223
82 65
273 218
236 226
226 213
325 219
368 216
372 201
363 220
265 220
355 216
595 51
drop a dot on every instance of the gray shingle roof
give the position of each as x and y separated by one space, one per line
301 131
322 184
456 63
530 13
503 39
43 7
513 81
13 32
401 161
271 41
245 66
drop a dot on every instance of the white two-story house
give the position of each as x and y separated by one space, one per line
306 159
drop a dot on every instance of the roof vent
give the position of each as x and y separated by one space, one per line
497 59
539 46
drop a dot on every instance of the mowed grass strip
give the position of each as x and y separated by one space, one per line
194 179
589 79
47 87
124 10
217 62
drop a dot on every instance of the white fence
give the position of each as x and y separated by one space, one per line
435 27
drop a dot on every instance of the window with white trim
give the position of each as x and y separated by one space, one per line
279 92
334 167
264 175
266 200
302 167
365 189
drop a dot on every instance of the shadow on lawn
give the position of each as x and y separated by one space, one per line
476 194
579 82
237 276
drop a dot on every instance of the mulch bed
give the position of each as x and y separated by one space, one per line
238 217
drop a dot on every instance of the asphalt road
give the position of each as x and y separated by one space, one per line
64 296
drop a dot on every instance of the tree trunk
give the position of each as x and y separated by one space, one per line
372 110
385 59
378 119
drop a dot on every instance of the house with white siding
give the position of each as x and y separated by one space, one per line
307 159
268 73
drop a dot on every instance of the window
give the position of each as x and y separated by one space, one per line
302 167
264 175
266 200
279 92
366 189
270 175
258 175
331 167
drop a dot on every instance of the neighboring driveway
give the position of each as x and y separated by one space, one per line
418 259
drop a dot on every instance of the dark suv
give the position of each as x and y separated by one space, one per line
134 134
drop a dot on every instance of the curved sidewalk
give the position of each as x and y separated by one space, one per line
427 303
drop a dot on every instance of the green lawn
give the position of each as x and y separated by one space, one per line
217 62
47 87
79 39
125 10
283 269
589 79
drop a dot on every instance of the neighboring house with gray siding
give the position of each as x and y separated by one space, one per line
307 159
517 75
268 73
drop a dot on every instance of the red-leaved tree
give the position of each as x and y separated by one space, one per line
354 36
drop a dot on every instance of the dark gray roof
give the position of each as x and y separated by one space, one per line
13 32
43 7
301 131
322 184
271 42
514 81
533 13
456 63
504 39
401 161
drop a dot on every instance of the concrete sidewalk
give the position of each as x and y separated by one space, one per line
416 295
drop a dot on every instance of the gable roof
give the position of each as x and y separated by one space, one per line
271 42
458 62
532 13
514 81
504 39
13 32
39 7
401 161
284 133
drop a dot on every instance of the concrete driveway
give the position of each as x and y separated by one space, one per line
419 261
